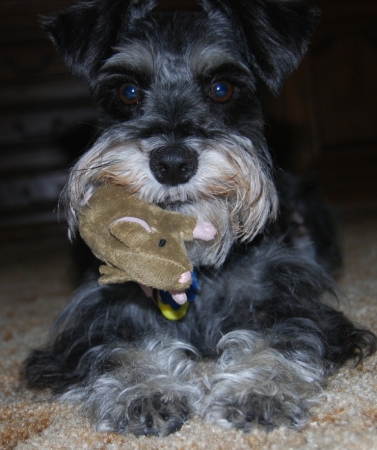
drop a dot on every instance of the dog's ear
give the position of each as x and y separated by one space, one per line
272 34
85 33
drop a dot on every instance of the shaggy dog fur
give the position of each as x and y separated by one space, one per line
182 127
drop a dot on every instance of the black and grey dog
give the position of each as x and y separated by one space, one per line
182 127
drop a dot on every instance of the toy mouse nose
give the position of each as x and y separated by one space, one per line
173 165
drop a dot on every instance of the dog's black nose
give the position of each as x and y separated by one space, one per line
173 165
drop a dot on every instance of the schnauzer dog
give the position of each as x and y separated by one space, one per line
182 128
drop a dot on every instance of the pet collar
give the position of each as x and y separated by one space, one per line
169 308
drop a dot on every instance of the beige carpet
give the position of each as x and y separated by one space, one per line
36 281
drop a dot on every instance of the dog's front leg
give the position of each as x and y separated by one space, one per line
142 388
255 384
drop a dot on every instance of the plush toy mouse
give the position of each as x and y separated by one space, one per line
139 241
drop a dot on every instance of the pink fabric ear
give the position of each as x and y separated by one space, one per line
204 230
141 222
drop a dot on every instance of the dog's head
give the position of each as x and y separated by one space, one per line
182 125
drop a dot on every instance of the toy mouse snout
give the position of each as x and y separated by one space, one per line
180 296
185 277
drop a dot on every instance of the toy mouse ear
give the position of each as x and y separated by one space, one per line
272 34
85 33
127 228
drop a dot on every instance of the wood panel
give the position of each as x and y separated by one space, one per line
325 122
45 118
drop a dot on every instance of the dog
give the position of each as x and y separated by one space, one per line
182 127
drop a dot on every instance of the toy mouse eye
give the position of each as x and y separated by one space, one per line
162 243
221 92
129 93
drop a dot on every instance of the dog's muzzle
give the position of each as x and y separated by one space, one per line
173 165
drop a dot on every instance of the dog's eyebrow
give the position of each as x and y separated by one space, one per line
136 57
206 59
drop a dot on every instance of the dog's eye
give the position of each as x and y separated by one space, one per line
221 91
129 93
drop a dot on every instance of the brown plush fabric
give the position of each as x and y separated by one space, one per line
155 258
36 284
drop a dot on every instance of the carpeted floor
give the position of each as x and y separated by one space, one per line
36 282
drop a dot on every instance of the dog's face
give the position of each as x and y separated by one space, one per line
182 125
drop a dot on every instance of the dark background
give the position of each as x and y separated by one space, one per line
324 124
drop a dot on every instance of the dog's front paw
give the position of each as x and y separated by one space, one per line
255 385
158 415
147 392
248 410
149 415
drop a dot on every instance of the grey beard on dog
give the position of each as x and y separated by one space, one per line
182 127
231 188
